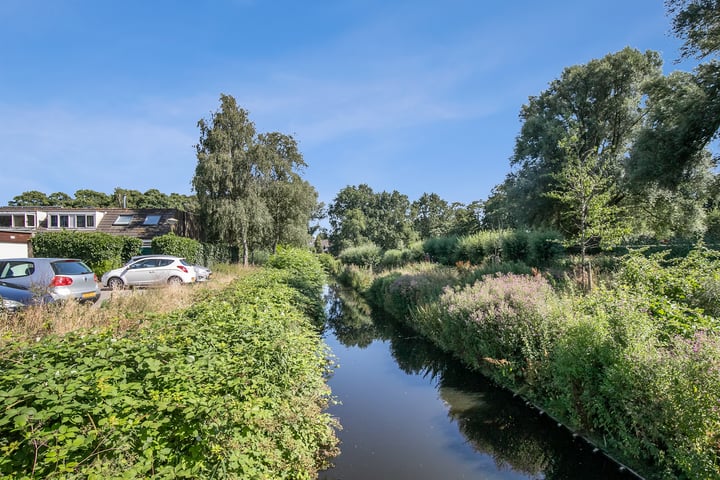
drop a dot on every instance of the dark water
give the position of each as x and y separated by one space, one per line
410 412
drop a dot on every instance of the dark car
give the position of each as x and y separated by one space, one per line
16 297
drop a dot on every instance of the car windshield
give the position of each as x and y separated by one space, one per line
70 267
184 262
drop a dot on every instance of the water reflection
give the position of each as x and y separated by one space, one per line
494 435
348 318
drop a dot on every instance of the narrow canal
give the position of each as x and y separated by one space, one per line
410 412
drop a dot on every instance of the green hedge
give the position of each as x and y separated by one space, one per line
233 387
171 244
368 255
100 251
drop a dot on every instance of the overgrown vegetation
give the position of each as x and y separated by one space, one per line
532 248
634 364
230 387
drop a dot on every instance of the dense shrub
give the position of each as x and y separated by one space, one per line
491 268
234 387
397 258
331 265
470 249
402 292
442 249
503 322
367 255
682 294
131 246
172 244
545 247
209 254
654 404
100 251
305 274
516 246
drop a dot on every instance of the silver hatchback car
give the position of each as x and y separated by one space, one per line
61 278
150 270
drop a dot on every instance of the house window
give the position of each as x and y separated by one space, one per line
85 221
123 220
152 220
19 220
6 221
59 221
30 220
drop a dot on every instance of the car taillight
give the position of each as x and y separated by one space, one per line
95 278
182 267
60 281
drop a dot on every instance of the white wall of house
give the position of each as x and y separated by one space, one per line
12 250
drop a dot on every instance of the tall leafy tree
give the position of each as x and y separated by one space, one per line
126 198
669 169
431 216
152 198
60 199
499 210
585 188
466 218
359 215
182 202
227 178
91 198
698 23
390 225
290 200
347 215
30 198
596 108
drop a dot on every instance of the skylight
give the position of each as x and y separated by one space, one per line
152 220
123 220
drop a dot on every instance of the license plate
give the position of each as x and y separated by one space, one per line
88 295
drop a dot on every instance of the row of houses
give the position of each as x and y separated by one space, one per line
19 224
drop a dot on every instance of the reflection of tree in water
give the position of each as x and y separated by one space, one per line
348 316
492 420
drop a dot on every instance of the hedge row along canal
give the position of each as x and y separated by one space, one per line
233 387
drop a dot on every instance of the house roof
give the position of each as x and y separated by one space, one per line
144 223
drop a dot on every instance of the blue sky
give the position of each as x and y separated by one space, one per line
414 96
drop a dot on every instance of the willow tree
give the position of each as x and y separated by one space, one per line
289 199
228 178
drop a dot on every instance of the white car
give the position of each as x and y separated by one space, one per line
202 274
150 271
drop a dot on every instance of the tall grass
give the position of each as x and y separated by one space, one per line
125 309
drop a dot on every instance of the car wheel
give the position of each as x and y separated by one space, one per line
116 283
175 281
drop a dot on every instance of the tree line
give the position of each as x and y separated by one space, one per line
120 198
612 151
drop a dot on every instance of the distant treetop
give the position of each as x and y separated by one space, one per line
120 198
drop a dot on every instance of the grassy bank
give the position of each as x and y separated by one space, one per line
232 386
634 365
